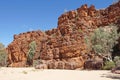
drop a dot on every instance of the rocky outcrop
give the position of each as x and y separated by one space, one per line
50 48
18 49
63 47
116 70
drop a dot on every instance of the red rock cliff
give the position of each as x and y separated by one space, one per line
64 45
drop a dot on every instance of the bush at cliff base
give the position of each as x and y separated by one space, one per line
108 65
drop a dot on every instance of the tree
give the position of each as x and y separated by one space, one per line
2 46
3 55
103 40
31 52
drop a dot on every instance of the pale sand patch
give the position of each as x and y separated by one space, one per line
36 74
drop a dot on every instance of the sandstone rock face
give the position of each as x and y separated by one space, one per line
18 49
63 47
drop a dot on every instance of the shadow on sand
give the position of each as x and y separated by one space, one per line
112 76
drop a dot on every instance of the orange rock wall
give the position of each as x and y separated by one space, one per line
66 42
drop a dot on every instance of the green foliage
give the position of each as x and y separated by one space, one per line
2 46
3 55
3 58
32 49
108 65
103 40
117 60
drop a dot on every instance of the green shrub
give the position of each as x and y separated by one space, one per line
3 55
108 65
1 46
117 60
32 49
3 58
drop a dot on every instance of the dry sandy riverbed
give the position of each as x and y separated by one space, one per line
35 74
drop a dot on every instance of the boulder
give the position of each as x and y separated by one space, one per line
116 70
41 66
93 65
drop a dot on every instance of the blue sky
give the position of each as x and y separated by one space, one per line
17 16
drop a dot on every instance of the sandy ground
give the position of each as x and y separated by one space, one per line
35 74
